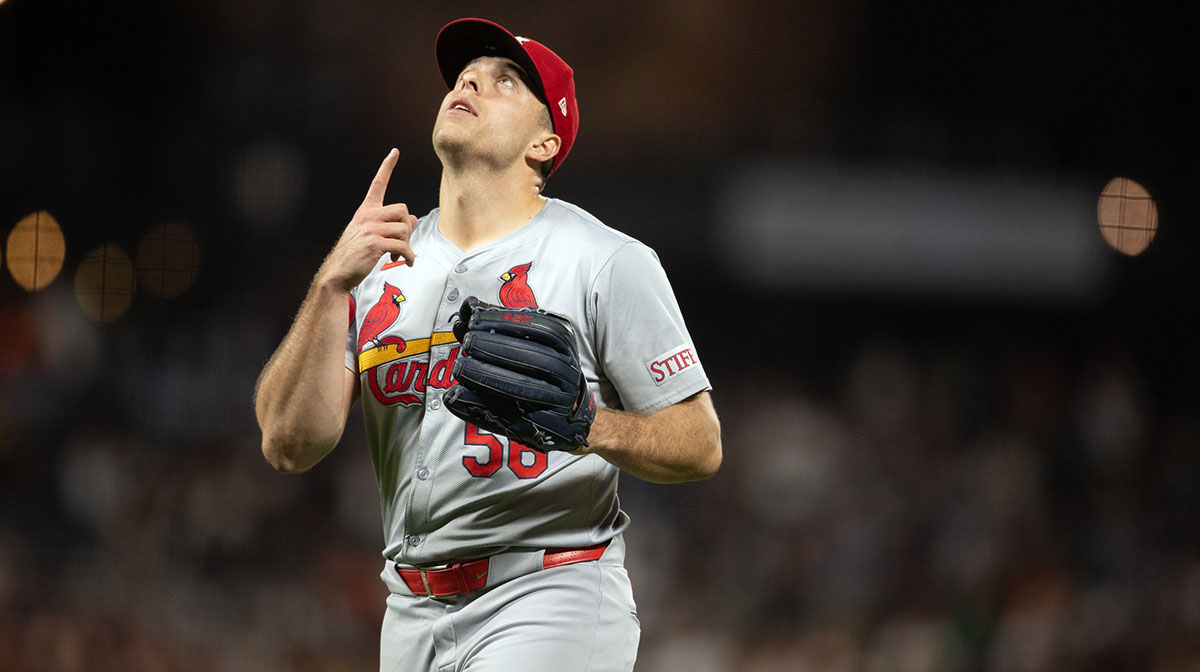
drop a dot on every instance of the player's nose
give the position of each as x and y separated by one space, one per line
469 81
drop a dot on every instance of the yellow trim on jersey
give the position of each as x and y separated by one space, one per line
372 358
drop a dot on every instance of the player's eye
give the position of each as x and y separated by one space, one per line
505 80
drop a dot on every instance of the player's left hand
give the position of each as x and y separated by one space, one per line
518 374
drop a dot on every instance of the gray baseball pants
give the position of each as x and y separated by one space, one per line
579 617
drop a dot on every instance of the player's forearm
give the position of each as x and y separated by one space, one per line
676 444
300 397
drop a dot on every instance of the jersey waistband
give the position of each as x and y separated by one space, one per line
462 578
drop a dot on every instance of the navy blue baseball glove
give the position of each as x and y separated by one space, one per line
518 374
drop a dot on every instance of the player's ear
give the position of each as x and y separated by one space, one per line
543 148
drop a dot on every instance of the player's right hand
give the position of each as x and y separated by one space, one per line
375 230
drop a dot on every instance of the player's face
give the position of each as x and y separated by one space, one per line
490 114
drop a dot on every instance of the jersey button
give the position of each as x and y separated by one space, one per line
413 539
422 473
461 268
435 404
452 295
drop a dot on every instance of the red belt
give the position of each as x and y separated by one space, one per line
463 577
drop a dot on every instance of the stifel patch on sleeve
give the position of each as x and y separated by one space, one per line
671 363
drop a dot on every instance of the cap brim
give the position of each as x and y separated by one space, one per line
464 40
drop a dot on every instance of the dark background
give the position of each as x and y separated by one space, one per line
913 480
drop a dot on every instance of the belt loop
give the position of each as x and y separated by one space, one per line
460 578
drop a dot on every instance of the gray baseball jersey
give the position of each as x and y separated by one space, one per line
451 491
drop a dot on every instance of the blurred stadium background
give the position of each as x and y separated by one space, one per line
961 433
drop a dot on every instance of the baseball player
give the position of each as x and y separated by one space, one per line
512 354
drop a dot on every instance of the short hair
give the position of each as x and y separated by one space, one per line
544 121
547 165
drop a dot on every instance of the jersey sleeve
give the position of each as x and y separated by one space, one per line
352 334
642 343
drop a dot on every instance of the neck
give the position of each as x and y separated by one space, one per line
478 207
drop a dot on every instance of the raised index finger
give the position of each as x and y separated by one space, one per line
379 184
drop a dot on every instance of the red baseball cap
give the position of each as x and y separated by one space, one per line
464 40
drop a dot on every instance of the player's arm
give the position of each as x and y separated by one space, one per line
671 433
681 442
305 392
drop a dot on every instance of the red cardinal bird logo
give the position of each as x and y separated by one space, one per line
516 292
380 316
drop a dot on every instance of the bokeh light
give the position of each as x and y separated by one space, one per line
168 260
104 283
1128 216
36 248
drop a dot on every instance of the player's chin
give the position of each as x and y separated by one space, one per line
449 139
